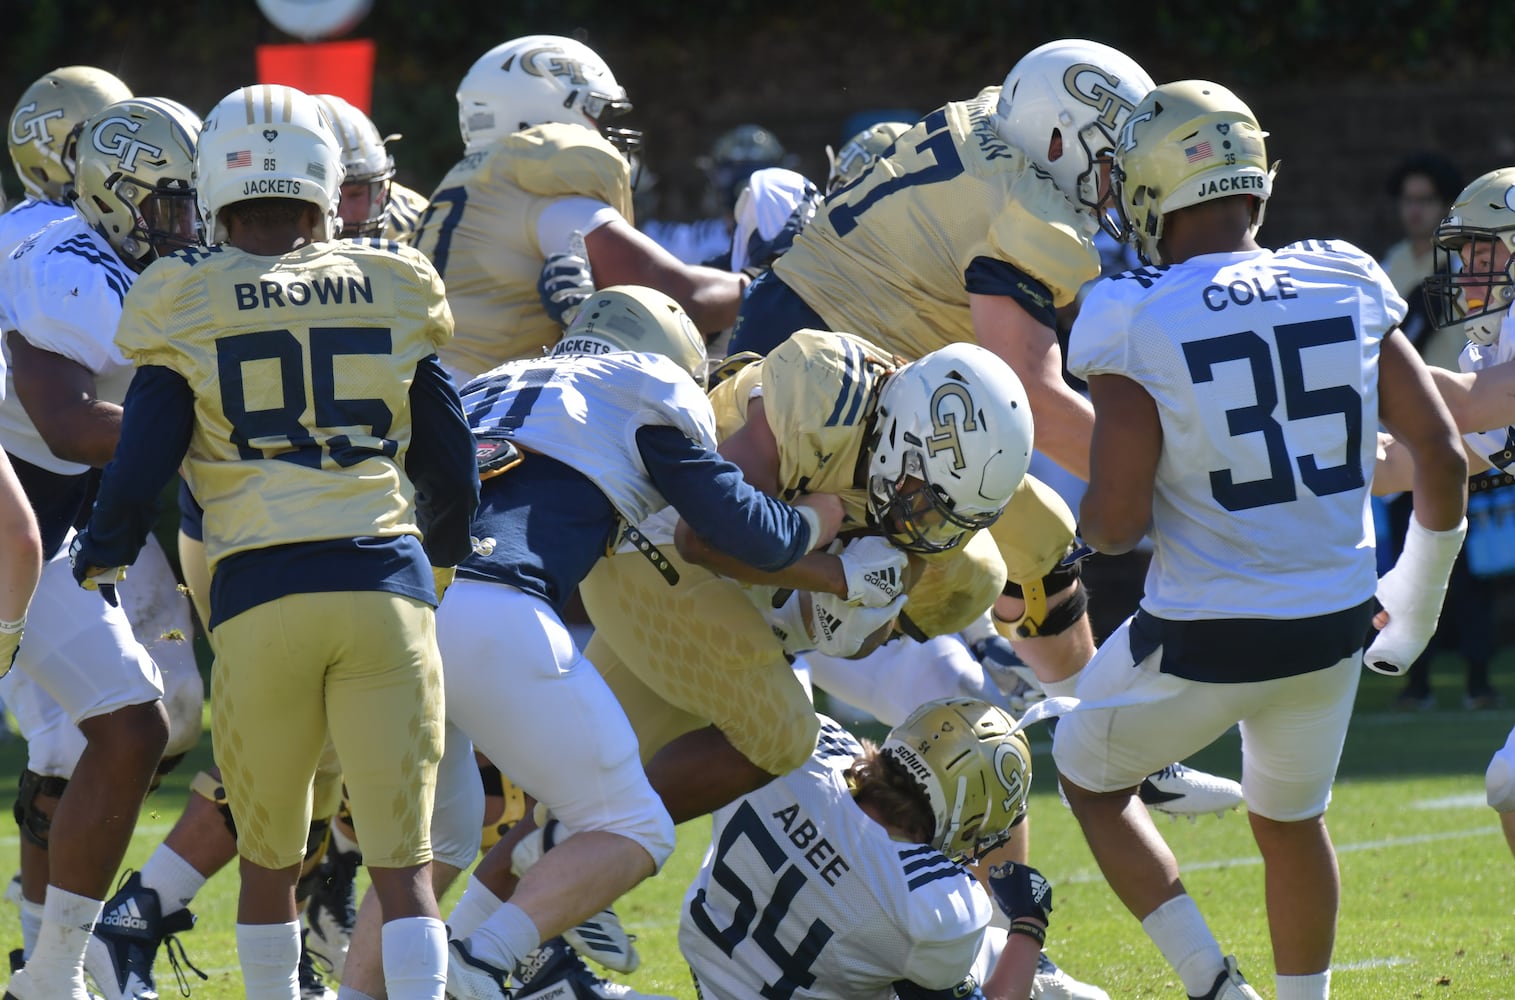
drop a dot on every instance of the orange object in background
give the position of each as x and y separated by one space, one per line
342 68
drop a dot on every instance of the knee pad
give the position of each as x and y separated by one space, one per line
208 786
33 823
164 768
316 842
1499 781
1036 618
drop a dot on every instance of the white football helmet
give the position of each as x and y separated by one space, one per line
267 141
634 318
537 79
1063 105
1186 143
132 177
369 166
953 441
49 110
858 153
974 766
1474 282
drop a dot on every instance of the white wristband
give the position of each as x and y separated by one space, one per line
11 628
812 521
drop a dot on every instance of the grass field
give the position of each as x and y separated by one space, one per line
1428 885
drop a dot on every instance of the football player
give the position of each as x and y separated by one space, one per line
541 173
857 856
373 204
343 484
60 296
38 139
1263 577
609 436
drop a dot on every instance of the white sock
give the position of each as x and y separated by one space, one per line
415 958
349 993
341 841
31 923
1063 688
57 959
1316 987
476 905
175 880
1184 938
270 958
505 938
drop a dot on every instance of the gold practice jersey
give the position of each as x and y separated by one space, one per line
893 255
301 368
480 231
402 217
819 393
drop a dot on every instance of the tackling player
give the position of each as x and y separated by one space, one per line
541 171
316 500
1254 489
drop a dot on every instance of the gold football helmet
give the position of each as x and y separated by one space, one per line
48 111
634 318
973 765
1186 143
858 153
370 168
132 181
1474 282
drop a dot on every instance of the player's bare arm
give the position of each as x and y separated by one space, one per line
1127 442
1064 419
1415 413
59 396
621 255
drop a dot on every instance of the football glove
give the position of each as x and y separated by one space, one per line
1412 593
10 643
875 571
840 629
90 576
1020 891
563 285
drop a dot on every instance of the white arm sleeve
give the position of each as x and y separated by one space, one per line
566 216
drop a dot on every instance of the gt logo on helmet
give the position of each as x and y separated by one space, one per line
944 422
1008 771
108 140
1093 86
560 65
33 128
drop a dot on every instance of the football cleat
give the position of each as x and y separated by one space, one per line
1052 983
120 954
312 986
601 937
556 972
1230 985
470 978
1182 791
332 911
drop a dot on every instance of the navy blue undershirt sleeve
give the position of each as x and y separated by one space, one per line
441 464
988 276
722 507
158 416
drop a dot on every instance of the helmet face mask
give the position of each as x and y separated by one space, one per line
1063 105
635 318
1473 285
953 440
268 141
45 116
974 767
1186 143
133 177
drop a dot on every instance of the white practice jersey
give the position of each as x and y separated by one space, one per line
1497 444
62 289
802 894
585 410
1264 369
26 217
